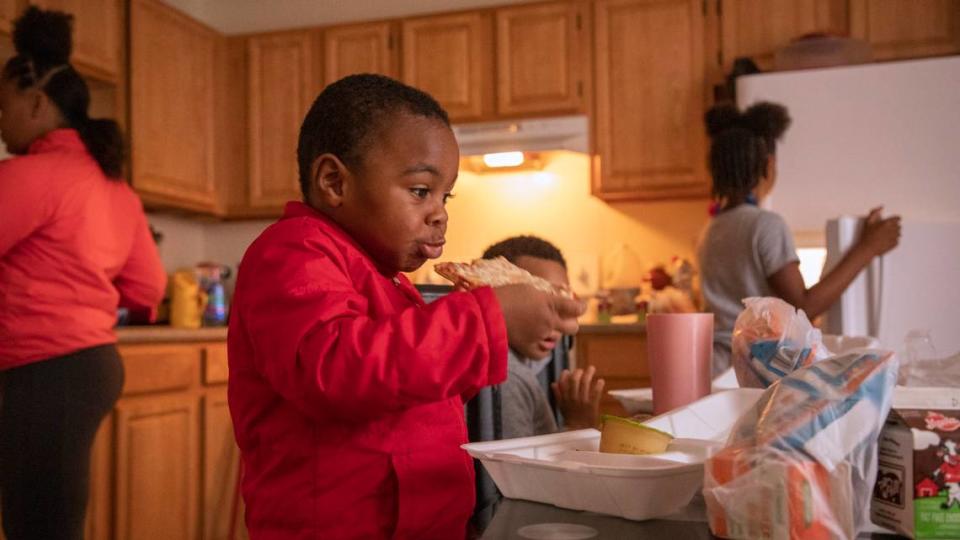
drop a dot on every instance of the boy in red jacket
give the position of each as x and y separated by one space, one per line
346 391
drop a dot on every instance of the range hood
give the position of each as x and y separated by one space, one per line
523 135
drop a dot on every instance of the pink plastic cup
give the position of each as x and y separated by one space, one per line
679 352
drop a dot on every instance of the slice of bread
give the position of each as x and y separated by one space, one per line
624 436
494 273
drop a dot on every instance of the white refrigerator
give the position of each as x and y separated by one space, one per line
862 136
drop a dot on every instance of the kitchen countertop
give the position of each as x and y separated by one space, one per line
169 334
512 516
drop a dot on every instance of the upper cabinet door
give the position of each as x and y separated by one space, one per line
907 28
361 48
9 9
450 57
541 58
650 99
171 107
282 87
97 34
757 28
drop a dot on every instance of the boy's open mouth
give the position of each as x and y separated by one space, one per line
432 250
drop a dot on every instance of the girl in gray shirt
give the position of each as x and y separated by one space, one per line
748 251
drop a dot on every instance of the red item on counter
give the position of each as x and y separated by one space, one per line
347 392
74 245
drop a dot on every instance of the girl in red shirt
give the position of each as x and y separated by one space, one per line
74 245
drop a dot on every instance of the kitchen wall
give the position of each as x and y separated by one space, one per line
187 241
554 203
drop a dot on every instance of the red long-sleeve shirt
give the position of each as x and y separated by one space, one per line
347 392
74 246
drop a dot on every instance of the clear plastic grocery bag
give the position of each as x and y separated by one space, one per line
923 366
772 339
801 463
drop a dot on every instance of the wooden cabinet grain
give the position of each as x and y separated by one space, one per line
221 461
450 57
898 29
282 85
620 358
157 467
650 99
172 107
97 34
757 28
361 48
9 9
542 58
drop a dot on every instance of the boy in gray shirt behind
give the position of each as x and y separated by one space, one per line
526 410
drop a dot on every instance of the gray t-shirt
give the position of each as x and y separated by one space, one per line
738 251
525 409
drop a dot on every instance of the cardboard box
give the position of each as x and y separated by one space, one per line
917 492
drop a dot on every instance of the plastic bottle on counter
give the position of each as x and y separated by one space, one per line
604 307
642 306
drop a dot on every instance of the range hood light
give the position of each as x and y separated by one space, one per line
503 159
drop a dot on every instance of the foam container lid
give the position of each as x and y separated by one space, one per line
566 470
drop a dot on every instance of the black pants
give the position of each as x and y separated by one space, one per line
49 416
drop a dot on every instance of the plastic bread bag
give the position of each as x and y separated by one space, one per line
772 339
801 463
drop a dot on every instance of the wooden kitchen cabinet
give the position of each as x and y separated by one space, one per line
171 107
542 58
650 99
282 85
157 467
97 34
9 10
620 358
899 29
361 48
450 57
221 462
757 28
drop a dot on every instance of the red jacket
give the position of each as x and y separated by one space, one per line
73 246
347 392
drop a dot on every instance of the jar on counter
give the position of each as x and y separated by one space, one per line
642 308
604 308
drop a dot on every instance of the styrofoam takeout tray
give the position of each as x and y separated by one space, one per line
566 470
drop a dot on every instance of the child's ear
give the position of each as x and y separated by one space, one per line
326 180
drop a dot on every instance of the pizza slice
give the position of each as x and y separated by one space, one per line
495 273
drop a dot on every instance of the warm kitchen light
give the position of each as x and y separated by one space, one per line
503 159
811 264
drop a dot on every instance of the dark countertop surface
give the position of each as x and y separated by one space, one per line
521 520
168 334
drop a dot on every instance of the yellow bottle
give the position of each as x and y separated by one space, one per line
187 300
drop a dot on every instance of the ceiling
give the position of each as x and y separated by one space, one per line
246 16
